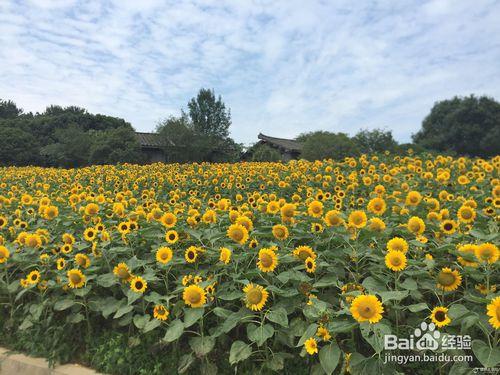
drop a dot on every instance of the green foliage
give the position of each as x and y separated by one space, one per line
200 135
463 125
18 146
263 152
9 109
325 145
67 137
370 141
209 115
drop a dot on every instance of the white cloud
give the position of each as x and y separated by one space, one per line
284 67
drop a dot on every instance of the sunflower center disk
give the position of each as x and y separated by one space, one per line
254 296
446 279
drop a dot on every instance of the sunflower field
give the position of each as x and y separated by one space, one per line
298 268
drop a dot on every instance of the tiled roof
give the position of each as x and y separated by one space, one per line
148 140
287 144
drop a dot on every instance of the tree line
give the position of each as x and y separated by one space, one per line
73 137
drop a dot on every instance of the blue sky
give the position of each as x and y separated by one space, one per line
283 67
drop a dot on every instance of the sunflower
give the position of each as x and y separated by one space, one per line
397 244
377 225
171 236
448 226
138 284
468 250
89 234
333 219
123 272
440 317
238 233
268 260
413 198
316 228
377 206
50 213
323 333
310 264
164 255
66 248
466 214
191 254
288 211
3 222
225 255
91 209
82 260
246 222
395 260
4 254
280 232
357 219
487 252
160 312
416 225
194 296
311 346
304 252
255 296
315 209
33 240
493 311
367 308
33 277
60 264
448 280
76 279
169 220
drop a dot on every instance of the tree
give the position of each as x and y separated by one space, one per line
20 149
178 139
115 145
209 115
370 141
463 125
325 145
263 152
9 109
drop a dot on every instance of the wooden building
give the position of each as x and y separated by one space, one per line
288 148
151 147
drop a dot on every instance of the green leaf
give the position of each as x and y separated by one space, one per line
489 357
174 331
132 296
239 352
122 311
229 295
457 311
140 321
259 334
418 307
25 324
326 281
63 304
341 326
310 332
106 280
374 334
394 295
409 284
191 316
75 318
152 324
278 316
329 356
373 285
202 345
185 362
